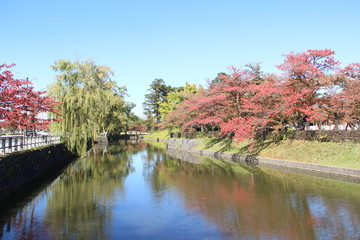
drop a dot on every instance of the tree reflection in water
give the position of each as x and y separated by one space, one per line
81 198
171 191
246 201
25 224
77 203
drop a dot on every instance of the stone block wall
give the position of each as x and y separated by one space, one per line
310 135
21 168
182 144
187 145
323 135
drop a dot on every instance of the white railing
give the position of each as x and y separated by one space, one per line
10 144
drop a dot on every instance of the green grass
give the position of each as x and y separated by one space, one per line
342 154
222 145
156 144
164 134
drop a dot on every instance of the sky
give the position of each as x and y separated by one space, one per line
178 41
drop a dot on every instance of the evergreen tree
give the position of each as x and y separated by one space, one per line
218 79
158 92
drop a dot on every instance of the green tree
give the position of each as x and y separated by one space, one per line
77 199
113 115
158 92
131 117
255 70
219 78
175 97
91 102
149 122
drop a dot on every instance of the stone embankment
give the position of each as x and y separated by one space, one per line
189 145
19 169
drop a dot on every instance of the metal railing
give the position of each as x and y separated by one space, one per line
10 144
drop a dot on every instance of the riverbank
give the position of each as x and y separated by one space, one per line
171 191
197 147
336 154
19 169
341 158
161 135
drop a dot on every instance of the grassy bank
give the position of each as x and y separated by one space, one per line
164 134
339 154
156 144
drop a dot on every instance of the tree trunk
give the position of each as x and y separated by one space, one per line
336 124
238 105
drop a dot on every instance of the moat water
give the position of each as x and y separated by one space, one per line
138 190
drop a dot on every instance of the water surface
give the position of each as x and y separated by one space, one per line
134 190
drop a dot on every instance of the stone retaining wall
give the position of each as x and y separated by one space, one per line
154 139
189 145
21 168
325 136
309 135
183 144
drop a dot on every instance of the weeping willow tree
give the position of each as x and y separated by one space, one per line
91 102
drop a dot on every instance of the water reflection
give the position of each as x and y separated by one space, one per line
263 203
77 207
25 224
135 190
83 198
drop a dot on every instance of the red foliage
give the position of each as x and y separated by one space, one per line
138 128
308 69
182 114
238 104
305 75
312 88
350 97
352 71
20 104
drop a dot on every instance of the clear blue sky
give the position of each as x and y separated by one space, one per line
175 40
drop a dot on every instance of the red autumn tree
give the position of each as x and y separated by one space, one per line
239 104
350 97
20 104
311 89
138 127
305 74
181 115
9 88
6 125
256 108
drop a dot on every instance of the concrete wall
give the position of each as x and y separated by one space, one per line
21 168
188 145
